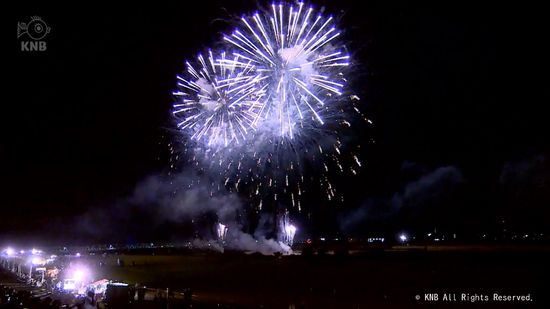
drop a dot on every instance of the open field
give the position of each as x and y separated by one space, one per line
357 281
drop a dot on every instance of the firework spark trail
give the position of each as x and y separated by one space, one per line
287 230
221 230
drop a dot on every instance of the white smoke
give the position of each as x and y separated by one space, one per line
237 240
187 196
207 245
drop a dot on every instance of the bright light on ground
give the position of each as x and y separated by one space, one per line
10 251
37 261
79 274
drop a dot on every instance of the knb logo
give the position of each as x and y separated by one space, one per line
37 30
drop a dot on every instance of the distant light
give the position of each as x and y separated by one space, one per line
78 254
429 234
10 251
22 251
35 251
375 239
37 261
322 239
403 237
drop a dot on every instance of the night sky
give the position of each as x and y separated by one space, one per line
454 86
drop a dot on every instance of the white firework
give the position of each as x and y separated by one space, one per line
293 51
218 104
274 101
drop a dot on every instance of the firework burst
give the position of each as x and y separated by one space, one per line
217 104
266 119
294 51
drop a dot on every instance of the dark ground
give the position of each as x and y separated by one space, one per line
373 279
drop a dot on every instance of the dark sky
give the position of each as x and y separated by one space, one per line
449 85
